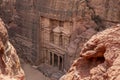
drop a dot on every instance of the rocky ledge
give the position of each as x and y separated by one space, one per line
10 68
99 58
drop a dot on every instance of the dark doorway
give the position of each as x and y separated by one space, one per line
61 63
50 58
55 60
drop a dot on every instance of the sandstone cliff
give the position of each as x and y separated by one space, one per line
99 58
89 17
10 68
85 16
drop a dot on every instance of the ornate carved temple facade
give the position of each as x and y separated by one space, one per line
44 31
50 33
55 38
47 29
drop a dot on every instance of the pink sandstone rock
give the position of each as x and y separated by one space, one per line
99 58
10 68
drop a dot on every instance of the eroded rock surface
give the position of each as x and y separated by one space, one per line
10 68
99 58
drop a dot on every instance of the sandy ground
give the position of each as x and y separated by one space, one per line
32 74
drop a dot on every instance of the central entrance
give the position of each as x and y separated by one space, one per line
56 60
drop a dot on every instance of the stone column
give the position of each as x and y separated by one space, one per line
52 59
46 35
47 56
66 40
45 25
59 62
57 33
44 55
48 53
57 38
62 63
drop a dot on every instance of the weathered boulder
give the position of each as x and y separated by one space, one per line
10 68
99 58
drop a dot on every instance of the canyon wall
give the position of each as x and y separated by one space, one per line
99 58
28 30
7 10
10 68
42 29
85 16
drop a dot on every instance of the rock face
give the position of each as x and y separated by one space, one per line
99 58
66 24
10 68
7 10
82 17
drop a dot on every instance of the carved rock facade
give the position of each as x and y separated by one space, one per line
62 23
53 32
